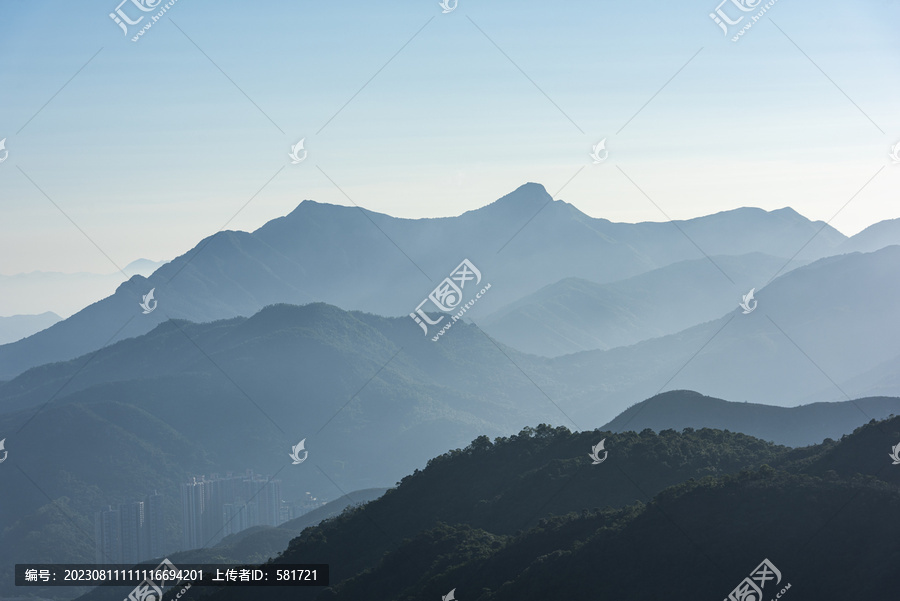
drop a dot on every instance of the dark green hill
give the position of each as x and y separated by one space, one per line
826 539
520 519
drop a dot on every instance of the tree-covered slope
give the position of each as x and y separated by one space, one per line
524 518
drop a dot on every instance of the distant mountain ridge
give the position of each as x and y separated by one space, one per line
791 426
64 293
361 260
16 327
575 314
876 236
813 335
819 329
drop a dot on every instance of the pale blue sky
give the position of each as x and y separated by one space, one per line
151 148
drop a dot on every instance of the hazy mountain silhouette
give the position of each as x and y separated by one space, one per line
358 259
882 378
64 293
814 329
16 327
817 326
792 426
574 314
875 237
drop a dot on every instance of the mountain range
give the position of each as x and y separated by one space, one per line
818 330
301 330
16 327
235 394
791 426
575 314
360 260
64 293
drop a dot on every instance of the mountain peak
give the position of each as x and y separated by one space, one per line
527 192
790 214
526 195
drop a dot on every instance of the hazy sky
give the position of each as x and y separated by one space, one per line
153 145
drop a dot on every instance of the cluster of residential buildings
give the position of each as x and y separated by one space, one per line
211 508
130 532
214 507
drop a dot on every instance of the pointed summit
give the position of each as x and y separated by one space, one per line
530 195
527 199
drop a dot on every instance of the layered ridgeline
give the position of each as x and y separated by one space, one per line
792 426
148 413
823 331
16 327
373 398
64 293
188 399
358 259
876 236
575 314
363 390
668 515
